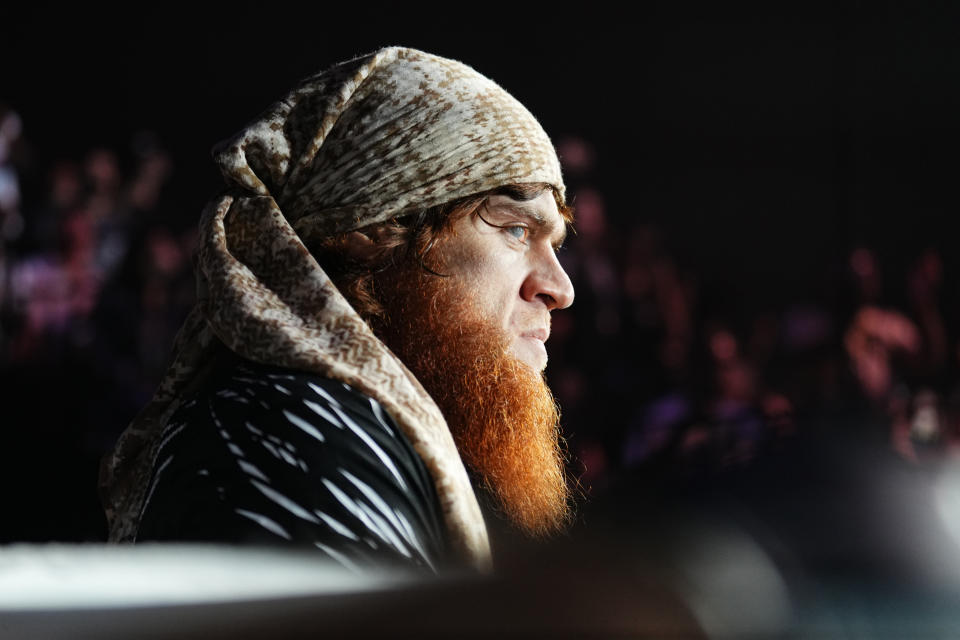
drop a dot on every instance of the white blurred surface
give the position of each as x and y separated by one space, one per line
60 576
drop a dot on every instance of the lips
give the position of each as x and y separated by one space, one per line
536 334
531 349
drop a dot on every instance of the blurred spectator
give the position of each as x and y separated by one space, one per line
54 293
902 362
867 278
11 222
107 208
874 338
64 195
99 282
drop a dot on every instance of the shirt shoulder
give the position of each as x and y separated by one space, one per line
266 454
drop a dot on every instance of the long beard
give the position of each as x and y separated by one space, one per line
502 414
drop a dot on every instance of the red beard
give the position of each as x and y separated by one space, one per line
502 414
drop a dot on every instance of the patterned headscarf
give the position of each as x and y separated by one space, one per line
369 139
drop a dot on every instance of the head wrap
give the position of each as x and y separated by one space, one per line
369 139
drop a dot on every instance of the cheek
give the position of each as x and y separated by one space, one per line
500 293
493 301
487 276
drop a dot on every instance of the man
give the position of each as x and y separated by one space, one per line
374 294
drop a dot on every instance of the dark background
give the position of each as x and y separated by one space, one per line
764 146
773 137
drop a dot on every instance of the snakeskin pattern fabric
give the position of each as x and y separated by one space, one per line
371 138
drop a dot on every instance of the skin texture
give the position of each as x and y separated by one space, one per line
505 257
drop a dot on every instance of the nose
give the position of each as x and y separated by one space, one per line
549 283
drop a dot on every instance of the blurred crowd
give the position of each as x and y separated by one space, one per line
95 279
663 372
654 372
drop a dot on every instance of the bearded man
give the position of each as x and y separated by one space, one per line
374 294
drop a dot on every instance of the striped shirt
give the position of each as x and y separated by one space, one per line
265 455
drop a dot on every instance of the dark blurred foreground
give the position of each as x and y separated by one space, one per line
719 572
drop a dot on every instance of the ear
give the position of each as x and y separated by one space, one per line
359 246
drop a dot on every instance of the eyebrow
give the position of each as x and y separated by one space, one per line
538 219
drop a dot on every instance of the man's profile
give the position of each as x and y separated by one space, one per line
374 294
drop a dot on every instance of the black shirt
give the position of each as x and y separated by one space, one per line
264 455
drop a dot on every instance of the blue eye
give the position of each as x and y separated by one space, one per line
518 232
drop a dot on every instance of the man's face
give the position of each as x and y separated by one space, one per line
505 255
475 339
